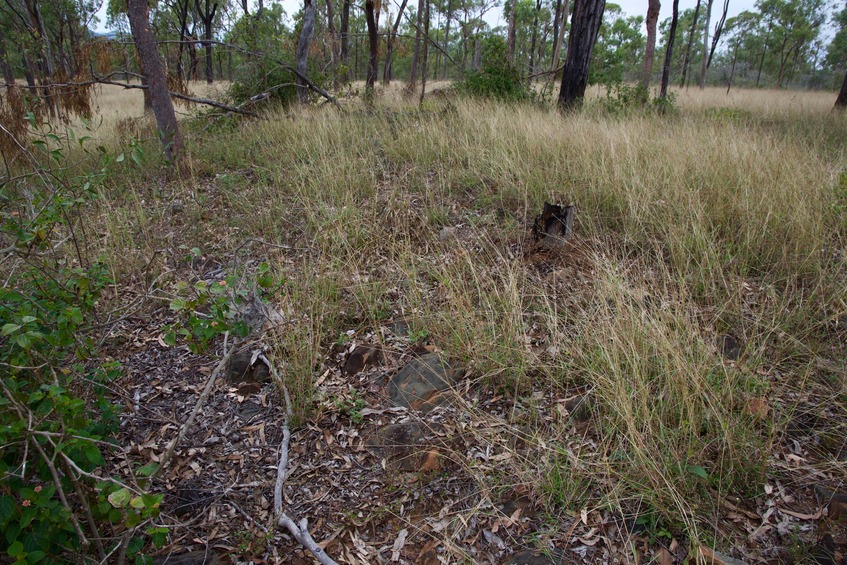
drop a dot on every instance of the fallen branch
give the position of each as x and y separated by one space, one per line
300 531
206 101
282 64
199 404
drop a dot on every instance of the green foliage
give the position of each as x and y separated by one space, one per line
207 310
619 51
623 99
497 78
54 415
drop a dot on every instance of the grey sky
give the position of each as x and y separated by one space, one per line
495 16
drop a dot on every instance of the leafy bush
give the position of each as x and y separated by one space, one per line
55 417
498 78
622 98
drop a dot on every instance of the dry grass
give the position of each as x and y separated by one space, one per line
727 217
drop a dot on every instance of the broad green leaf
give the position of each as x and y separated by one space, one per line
120 498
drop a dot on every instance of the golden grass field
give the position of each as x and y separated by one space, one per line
727 217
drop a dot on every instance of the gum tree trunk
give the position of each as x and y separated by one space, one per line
841 101
373 46
666 68
686 61
306 33
560 38
413 72
207 17
585 25
653 7
387 71
705 64
154 74
345 39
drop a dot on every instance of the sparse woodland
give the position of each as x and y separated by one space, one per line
451 281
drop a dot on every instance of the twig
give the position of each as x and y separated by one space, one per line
300 531
199 404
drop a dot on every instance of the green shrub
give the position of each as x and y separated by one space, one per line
55 416
498 78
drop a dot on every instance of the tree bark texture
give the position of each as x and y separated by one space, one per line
306 33
345 38
686 61
704 65
585 25
387 71
560 38
666 68
373 45
207 16
154 75
841 101
653 7
413 72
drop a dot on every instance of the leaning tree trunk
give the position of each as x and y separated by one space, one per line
373 48
387 71
157 83
653 7
705 64
841 101
585 24
718 32
560 38
686 61
413 72
666 68
306 33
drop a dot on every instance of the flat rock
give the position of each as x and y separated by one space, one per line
189 558
423 383
729 347
239 370
408 447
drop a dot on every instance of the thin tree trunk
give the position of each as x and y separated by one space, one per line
330 26
413 72
387 71
556 13
534 41
705 63
447 37
373 47
718 32
345 39
425 53
207 17
666 68
764 50
653 7
841 101
8 75
303 44
154 74
686 61
560 39
585 24
732 72
512 31
29 74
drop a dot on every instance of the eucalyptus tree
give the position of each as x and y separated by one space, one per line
585 25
